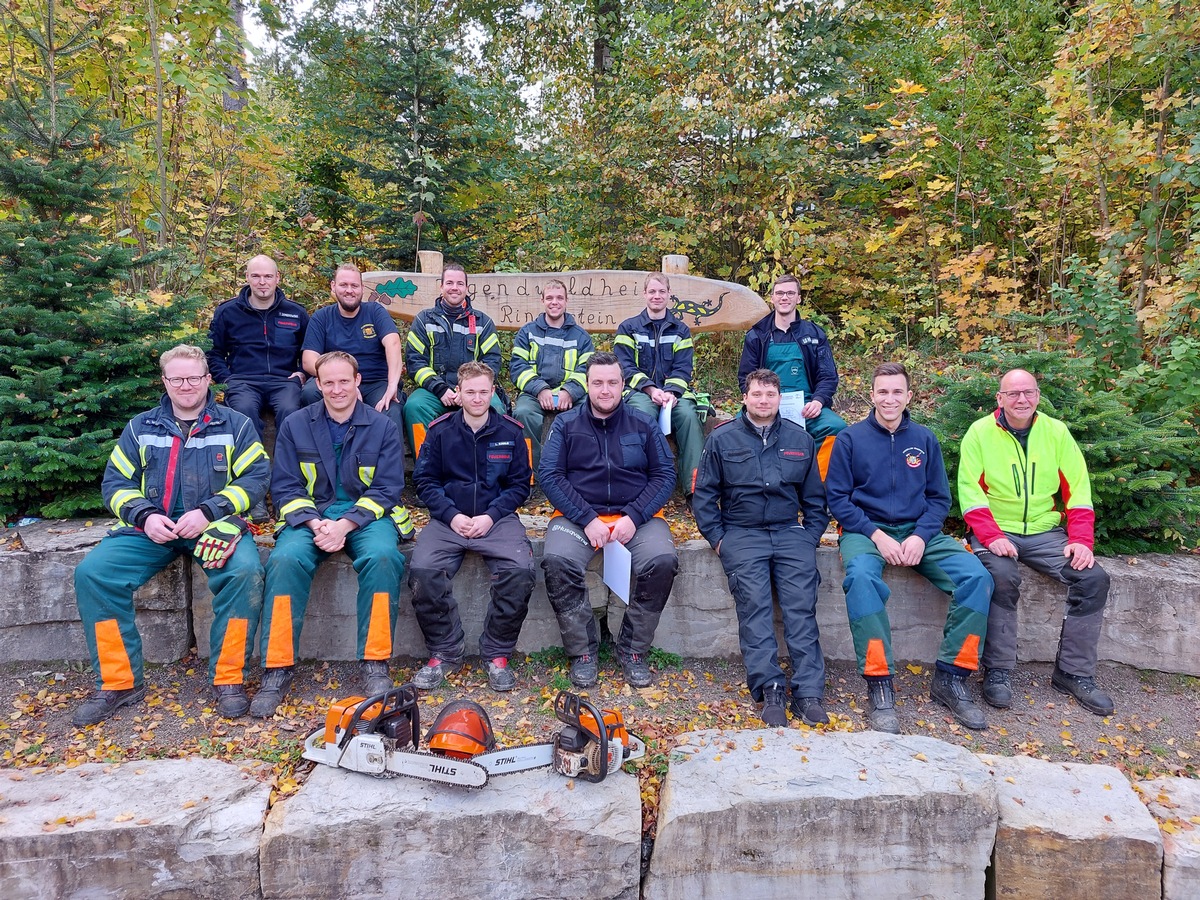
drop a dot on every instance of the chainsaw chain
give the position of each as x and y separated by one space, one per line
469 787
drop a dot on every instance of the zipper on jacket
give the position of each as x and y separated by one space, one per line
1022 482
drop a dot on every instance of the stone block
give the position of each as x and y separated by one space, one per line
779 813
39 619
155 828
1069 830
534 834
1175 805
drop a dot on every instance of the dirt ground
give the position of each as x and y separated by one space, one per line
1154 731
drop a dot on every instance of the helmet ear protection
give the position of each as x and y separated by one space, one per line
461 730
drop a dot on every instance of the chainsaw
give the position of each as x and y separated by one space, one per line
380 736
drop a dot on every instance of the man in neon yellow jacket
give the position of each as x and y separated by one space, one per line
1025 495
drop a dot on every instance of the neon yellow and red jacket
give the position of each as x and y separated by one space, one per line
1003 487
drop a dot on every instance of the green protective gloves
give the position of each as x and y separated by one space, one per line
217 541
404 523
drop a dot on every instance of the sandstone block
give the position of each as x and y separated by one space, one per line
1069 830
161 828
785 813
534 834
1175 804
39 619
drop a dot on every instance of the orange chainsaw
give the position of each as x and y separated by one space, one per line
379 736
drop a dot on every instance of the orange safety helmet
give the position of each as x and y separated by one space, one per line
461 730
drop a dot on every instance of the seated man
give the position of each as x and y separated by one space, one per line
338 475
1017 465
887 487
473 473
179 479
607 470
368 333
655 352
256 339
547 363
798 352
440 340
758 475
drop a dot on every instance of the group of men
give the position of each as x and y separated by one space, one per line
184 476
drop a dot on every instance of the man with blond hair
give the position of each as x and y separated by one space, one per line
179 480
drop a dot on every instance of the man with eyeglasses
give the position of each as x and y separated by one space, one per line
1017 467
179 479
798 352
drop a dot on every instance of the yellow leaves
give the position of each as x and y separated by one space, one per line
69 821
907 88
124 817
920 757
867 138
915 669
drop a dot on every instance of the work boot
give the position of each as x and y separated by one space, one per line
585 671
950 690
881 706
1083 688
434 672
376 678
774 709
232 702
272 690
997 688
636 670
810 710
500 676
102 704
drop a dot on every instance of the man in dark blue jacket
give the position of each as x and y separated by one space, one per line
608 471
338 474
757 476
887 488
473 473
798 352
256 339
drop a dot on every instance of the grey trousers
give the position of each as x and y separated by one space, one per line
1087 593
565 561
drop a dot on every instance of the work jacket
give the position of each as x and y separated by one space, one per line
546 358
655 353
442 338
253 342
820 371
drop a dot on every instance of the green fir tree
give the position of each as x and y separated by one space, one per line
77 357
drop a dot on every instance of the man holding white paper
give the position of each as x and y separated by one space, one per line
656 356
608 471
798 352
757 478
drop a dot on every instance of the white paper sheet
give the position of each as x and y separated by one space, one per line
791 406
618 567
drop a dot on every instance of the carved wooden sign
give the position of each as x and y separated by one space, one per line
600 300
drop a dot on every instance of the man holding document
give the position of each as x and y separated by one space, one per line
798 352
757 478
608 471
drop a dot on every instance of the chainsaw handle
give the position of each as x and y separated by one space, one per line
390 702
567 708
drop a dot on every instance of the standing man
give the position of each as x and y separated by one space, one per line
887 487
338 474
365 331
757 476
440 340
256 339
655 352
1017 465
473 473
798 352
607 470
548 358
179 480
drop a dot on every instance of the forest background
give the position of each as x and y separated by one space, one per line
961 185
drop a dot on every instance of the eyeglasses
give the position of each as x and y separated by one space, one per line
192 380
787 293
1016 395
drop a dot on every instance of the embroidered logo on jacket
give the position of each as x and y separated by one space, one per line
914 457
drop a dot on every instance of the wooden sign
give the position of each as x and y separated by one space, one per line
599 300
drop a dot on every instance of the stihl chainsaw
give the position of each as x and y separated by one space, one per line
380 736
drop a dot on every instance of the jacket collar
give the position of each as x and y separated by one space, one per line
455 312
875 423
212 413
243 298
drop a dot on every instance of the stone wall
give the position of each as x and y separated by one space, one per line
1152 620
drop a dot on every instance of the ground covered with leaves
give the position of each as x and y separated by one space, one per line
1155 730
